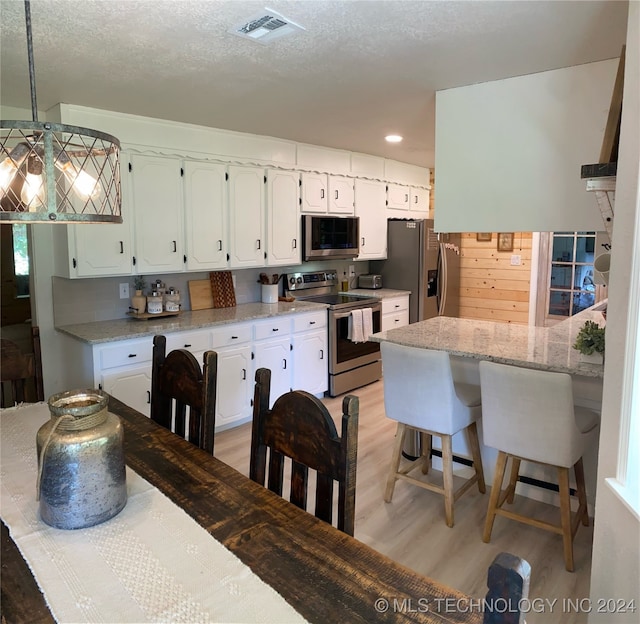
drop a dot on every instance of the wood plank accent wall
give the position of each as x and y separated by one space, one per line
490 287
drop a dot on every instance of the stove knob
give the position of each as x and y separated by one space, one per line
299 280
292 280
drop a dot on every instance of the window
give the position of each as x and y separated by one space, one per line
571 285
21 258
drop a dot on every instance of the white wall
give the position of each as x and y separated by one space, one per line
508 152
616 548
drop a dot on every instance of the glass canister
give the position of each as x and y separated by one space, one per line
154 302
172 300
81 467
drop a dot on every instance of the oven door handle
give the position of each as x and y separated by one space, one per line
337 315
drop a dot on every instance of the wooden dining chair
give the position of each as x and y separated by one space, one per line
21 373
178 383
299 427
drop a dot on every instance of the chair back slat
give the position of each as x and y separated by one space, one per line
183 396
299 427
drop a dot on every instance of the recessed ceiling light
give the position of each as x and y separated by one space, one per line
393 138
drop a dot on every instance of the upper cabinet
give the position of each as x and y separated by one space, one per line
205 199
341 195
156 192
410 199
246 217
283 218
370 197
315 192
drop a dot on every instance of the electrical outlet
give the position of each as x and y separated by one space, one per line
352 270
124 290
516 259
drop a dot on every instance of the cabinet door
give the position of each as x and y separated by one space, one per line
205 206
310 370
420 203
275 355
132 385
234 386
246 217
314 192
370 207
340 195
156 189
283 218
398 197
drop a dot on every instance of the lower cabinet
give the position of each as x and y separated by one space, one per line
272 350
234 387
310 352
131 384
395 312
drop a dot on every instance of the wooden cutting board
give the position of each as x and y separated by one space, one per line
224 294
200 294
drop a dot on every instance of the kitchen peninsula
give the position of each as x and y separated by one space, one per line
544 348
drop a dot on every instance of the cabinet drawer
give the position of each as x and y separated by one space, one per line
395 319
131 352
230 335
191 340
394 304
272 328
313 320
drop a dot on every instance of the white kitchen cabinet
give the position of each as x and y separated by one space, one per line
131 384
206 213
246 217
370 197
395 312
157 193
412 199
314 192
419 203
310 352
283 218
398 197
275 354
341 195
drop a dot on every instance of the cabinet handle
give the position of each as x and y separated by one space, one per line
396 320
406 197
336 194
175 246
275 329
363 241
415 199
234 337
312 322
133 355
397 305
258 241
284 363
294 243
219 245
148 396
187 346
244 373
321 193
322 354
121 247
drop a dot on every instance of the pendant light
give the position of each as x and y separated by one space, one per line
53 172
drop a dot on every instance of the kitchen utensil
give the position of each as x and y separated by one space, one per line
264 278
275 278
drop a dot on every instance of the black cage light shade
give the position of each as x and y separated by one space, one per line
53 172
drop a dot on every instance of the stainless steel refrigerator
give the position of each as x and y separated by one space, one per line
426 263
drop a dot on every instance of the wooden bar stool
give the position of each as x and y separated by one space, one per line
529 414
421 394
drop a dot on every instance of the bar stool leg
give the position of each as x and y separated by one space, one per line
395 462
513 479
501 465
565 517
583 511
447 475
474 444
426 442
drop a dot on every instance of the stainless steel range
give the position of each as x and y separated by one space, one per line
351 364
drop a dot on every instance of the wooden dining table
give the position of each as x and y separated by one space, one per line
323 573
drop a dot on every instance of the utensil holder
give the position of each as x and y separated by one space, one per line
269 293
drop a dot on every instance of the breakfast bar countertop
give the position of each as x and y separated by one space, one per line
544 348
378 293
98 332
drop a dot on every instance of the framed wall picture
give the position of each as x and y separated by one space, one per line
505 241
483 237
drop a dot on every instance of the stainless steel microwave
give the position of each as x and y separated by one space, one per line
330 238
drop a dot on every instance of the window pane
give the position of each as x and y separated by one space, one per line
583 279
583 300
562 249
584 249
561 276
559 303
20 250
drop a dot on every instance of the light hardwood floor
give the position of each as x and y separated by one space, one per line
412 530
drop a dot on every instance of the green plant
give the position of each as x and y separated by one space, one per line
590 338
139 282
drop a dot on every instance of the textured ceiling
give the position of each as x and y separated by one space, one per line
362 68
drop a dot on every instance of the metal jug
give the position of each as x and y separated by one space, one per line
81 468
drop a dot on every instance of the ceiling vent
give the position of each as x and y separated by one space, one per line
265 27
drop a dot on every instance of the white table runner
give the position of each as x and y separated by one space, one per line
150 563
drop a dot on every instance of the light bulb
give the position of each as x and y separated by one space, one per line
33 192
85 185
8 171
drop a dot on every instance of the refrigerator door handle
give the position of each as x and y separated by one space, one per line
442 279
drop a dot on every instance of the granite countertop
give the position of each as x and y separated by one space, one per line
378 293
124 329
544 348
